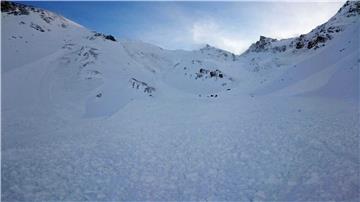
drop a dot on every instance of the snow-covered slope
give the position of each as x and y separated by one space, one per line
321 62
87 116
31 28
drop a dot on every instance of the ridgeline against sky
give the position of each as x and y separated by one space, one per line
232 26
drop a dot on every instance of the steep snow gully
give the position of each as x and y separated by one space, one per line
86 116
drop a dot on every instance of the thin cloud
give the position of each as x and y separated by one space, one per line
236 25
292 19
209 32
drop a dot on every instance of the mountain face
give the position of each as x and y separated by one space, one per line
87 116
83 51
317 38
284 64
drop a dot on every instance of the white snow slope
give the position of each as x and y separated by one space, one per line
87 117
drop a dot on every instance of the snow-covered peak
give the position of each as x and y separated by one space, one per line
211 51
263 44
207 47
349 9
347 15
17 9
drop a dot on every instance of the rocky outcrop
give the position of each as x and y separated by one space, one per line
263 44
315 39
37 27
350 9
14 8
205 73
140 85
266 44
325 32
103 36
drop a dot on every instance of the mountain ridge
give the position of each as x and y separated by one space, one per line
349 10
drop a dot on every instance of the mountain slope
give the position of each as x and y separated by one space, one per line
331 48
86 116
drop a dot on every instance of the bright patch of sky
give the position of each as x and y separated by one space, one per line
232 26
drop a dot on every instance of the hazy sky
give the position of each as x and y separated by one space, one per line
231 26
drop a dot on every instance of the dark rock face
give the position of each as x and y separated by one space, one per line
333 29
149 89
107 37
142 85
350 8
7 6
263 44
316 41
355 10
266 44
110 37
13 8
299 42
279 48
317 38
300 45
209 74
212 74
321 34
37 27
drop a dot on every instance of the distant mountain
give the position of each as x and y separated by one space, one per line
109 66
317 38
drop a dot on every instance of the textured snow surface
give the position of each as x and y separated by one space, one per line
243 149
85 118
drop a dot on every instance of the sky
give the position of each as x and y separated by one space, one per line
231 26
